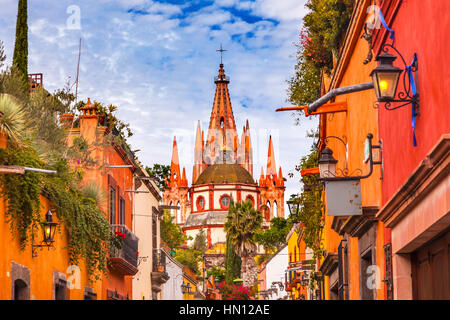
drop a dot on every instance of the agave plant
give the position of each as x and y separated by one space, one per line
13 120
94 191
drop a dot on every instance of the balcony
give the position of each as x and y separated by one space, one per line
124 250
159 274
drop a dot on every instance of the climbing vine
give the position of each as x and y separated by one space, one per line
320 39
22 192
310 214
43 144
86 224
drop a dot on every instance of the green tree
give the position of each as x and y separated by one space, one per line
274 237
190 258
232 263
217 272
320 39
171 233
310 213
243 222
161 173
200 241
2 54
20 58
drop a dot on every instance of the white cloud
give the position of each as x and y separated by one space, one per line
280 9
159 70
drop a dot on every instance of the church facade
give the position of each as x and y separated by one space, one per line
222 171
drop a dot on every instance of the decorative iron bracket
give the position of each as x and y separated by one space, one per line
346 177
406 97
35 246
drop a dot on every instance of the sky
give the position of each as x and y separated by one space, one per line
156 60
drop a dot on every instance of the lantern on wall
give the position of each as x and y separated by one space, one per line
385 77
327 164
49 230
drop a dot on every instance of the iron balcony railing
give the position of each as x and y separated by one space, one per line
159 260
125 244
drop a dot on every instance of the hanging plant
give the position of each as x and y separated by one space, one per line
21 192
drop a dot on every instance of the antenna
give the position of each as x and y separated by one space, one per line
78 74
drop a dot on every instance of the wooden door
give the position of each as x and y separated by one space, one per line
431 270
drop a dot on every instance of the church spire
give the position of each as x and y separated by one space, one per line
175 165
198 153
222 127
271 166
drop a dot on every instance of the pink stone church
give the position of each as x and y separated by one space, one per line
223 170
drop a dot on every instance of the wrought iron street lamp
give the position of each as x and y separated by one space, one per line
49 230
188 288
327 164
385 77
293 205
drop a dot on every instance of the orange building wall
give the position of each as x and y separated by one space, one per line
353 126
107 155
42 266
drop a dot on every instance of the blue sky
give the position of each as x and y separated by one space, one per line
156 61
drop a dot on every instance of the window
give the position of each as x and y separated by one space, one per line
200 203
178 213
250 198
171 210
112 205
122 211
225 201
342 291
21 291
366 261
275 209
60 289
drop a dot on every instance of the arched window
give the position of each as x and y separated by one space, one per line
250 198
200 203
21 291
225 201
172 214
275 209
178 213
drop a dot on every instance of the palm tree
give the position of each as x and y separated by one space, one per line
243 222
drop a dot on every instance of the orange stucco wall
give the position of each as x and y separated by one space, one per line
41 267
123 177
353 126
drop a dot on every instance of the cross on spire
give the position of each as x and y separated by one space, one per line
221 53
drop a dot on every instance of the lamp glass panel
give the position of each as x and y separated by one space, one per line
47 232
291 207
327 170
386 84
52 231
